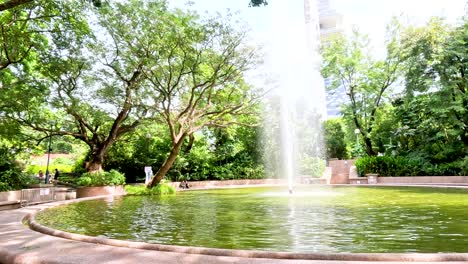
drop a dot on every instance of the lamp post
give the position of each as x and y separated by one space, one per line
49 149
356 131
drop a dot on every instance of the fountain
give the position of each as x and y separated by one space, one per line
297 106
315 219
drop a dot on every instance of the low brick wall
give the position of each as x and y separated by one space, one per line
99 190
339 171
10 196
358 180
424 180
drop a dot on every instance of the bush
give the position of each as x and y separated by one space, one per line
160 189
335 143
409 166
13 179
104 178
9 177
312 166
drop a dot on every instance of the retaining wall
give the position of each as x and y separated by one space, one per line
99 190
424 180
339 171
10 196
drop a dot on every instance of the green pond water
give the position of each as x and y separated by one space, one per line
316 219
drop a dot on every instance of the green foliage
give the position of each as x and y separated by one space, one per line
335 143
104 178
79 166
258 2
34 169
409 166
436 102
311 166
11 177
215 155
69 178
347 64
160 189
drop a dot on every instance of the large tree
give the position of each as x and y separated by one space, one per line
25 34
348 63
197 76
433 113
9 4
95 99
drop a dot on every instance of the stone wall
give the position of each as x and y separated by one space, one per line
340 171
10 196
424 180
100 190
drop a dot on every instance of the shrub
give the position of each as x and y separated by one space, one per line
11 177
312 166
409 166
104 178
335 143
160 189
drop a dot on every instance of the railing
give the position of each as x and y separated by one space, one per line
37 195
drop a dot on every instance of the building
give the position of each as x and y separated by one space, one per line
331 23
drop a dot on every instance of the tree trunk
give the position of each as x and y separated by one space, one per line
190 143
370 151
167 165
95 165
97 157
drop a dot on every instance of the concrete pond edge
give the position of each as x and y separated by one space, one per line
29 218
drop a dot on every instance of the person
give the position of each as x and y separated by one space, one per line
40 175
184 184
56 175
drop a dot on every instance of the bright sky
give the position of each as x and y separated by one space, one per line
370 16
280 27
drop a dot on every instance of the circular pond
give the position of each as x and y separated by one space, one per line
316 219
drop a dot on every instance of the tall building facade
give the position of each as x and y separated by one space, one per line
331 23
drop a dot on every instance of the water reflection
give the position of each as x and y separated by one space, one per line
331 220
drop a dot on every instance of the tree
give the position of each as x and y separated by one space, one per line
367 81
10 4
197 78
97 99
433 113
25 33
258 2
335 139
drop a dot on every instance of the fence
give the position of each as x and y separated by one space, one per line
37 195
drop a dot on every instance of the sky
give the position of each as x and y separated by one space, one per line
279 28
370 16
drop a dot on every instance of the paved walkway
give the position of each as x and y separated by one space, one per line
19 244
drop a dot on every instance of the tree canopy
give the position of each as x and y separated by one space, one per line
347 63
